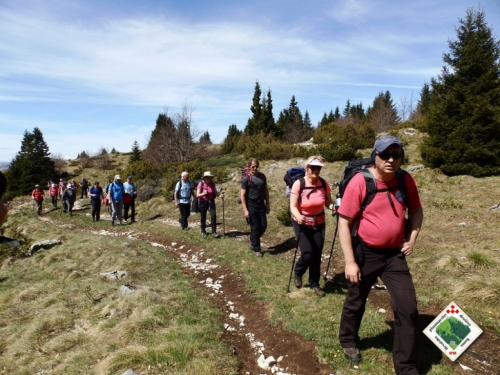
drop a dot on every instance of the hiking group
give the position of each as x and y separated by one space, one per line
375 197
379 216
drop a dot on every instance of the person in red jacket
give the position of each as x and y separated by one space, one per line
53 193
37 195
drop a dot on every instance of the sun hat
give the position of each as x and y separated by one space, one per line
207 174
117 177
315 161
37 185
385 141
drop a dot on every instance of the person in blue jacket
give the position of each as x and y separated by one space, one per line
115 195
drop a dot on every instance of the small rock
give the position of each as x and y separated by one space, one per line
125 290
382 311
130 372
114 275
465 367
462 224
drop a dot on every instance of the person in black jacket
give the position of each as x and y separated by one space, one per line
69 197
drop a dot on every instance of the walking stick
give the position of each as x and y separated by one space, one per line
223 220
293 263
331 251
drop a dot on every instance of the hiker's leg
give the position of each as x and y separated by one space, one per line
254 219
119 210
396 276
355 302
132 210
203 216
213 219
305 240
98 210
125 211
318 240
184 209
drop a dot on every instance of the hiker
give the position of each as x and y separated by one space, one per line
37 195
4 208
380 251
206 194
63 185
53 193
69 197
75 185
254 197
96 194
115 195
84 185
129 199
308 197
182 196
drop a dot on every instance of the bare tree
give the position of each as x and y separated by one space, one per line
406 107
172 140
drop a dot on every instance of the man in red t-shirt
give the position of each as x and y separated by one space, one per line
381 251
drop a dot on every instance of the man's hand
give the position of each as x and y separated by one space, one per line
352 273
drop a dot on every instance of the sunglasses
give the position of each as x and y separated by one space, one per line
254 166
387 155
315 167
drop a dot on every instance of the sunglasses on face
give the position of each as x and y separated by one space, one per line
387 155
315 168
254 166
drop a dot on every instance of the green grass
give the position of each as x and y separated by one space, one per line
55 310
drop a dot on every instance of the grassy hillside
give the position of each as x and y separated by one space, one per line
55 307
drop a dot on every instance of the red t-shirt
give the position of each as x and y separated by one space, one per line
311 201
381 225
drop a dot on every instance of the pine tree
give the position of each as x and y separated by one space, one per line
424 103
463 120
383 114
254 124
205 138
32 164
136 153
233 131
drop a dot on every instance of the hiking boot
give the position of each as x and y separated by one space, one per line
125 220
215 235
203 234
298 281
186 229
258 254
112 222
352 354
320 292
93 219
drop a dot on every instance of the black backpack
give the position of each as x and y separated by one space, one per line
195 204
362 166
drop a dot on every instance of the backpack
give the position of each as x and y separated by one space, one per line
291 176
53 190
176 192
362 166
195 204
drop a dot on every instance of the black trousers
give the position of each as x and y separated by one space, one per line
391 267
84 191
69 205
39 206
96 208
185 210
53 199
258 222
204 207
130 206
311 242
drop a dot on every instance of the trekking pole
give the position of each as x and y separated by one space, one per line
331 251
293 263
223 220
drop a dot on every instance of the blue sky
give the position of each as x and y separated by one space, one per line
96 73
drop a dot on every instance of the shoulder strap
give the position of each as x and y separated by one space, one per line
303 186
371 188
